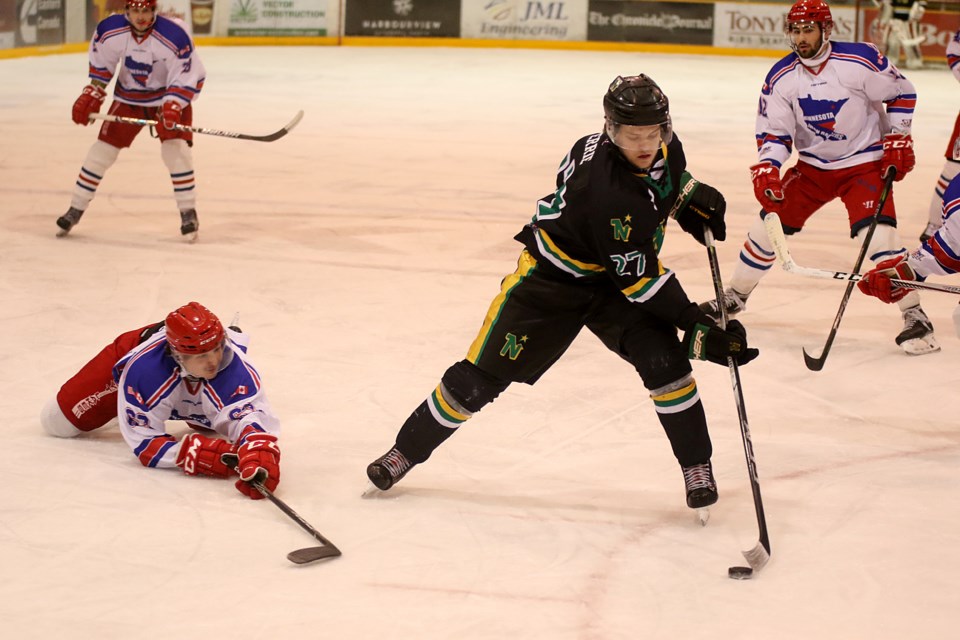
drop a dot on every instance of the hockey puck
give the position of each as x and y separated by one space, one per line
740 573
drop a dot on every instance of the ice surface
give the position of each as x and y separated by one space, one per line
361 252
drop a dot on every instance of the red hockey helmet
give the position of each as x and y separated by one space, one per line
810 11
145 4
193 329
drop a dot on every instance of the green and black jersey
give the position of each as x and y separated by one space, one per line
606 221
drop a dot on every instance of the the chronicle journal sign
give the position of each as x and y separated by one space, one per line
658 22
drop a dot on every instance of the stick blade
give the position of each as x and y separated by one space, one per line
757 557
312 554
276 135
814 364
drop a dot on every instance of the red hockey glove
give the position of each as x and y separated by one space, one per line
200 455
766 185
897 154
876 282
89 102
171 114
259 462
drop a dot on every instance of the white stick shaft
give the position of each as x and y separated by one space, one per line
779 242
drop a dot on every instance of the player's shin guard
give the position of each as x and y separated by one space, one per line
100 157
463 390
681 413
178 157
756 258
427 428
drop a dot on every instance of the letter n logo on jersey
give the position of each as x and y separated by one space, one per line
621 229
512 348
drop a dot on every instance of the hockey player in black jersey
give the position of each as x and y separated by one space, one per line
591 259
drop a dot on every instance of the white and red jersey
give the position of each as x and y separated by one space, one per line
160 66
940 254
836 113
152 388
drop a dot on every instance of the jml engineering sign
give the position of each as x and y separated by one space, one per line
524 19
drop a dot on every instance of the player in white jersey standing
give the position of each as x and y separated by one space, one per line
186 368
825 98
938 255
158 76
952 165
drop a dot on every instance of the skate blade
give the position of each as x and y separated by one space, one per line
703 516
920 346
371 491
62 233
190 238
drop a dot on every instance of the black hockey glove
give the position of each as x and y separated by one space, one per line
700 204
707 341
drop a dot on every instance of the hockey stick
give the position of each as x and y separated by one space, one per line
816 364
779 242
270 137
759 555
300 556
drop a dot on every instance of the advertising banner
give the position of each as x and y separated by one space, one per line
760 26
277 17
50 21
657 22
403 18
524 19
936 27
8 23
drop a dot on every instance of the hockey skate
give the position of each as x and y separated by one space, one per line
189 225
733 300
917 337
701 489
68 221
388 469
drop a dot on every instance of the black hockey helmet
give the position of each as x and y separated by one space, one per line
637 100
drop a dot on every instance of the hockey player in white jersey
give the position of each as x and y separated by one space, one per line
848 112
187 368
951 167
938 255
158 76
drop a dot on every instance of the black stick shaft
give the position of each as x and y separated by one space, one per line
816 364
283 506
232 461
741 406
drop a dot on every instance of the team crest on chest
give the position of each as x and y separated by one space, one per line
820 117
621 228
139 70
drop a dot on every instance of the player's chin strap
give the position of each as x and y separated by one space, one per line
818 58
